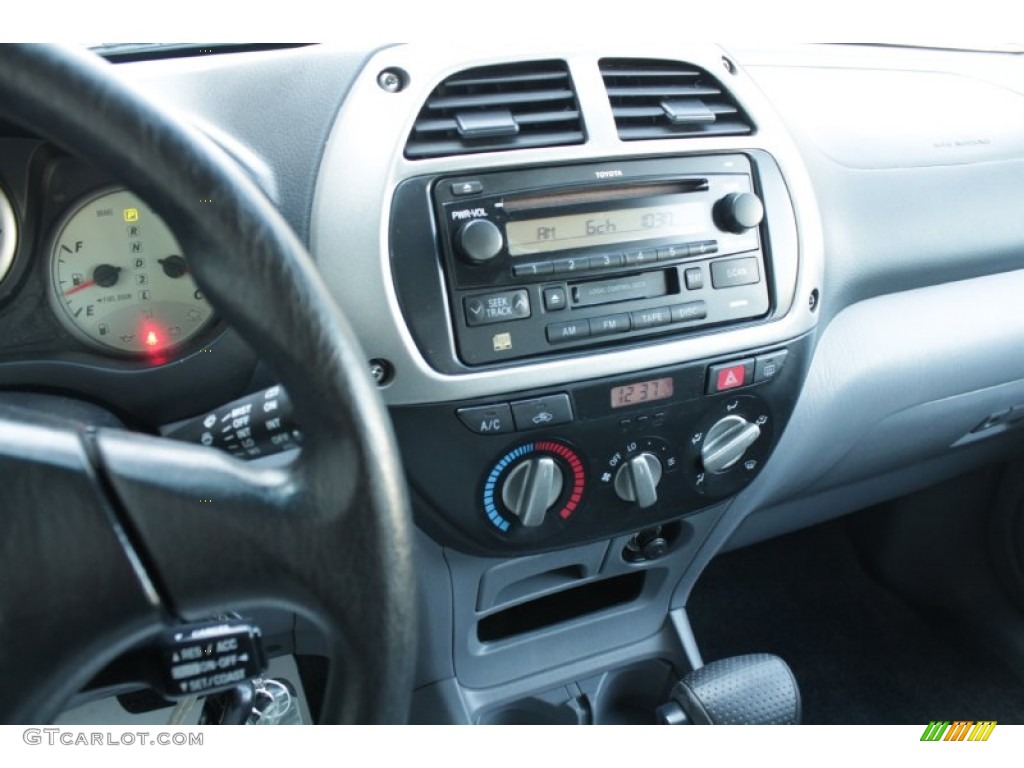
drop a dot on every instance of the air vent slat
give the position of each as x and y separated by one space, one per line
440 148
668 131
529 77
530 118
651 72
490 100
497 108
657 111
660 91
657 99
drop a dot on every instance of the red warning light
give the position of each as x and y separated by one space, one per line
152 339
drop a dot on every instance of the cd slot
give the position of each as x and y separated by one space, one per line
646 285
585 196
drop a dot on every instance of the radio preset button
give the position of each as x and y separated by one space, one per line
533 268
704 247
649 318
497 307
571 265
694 278
487 419
555 298
609 324
669 252
728 274
606 260
643 256
542 412
561 332
693 310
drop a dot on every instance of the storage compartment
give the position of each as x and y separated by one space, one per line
623 696
561 606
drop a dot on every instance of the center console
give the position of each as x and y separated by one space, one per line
589 289
501 267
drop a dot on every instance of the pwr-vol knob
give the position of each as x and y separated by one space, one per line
479 241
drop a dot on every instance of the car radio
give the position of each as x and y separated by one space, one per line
543 260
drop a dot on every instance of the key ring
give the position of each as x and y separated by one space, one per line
280 700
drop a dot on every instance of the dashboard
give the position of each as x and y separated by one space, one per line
628 307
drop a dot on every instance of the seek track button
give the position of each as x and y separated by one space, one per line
497 307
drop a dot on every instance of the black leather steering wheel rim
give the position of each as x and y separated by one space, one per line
109 524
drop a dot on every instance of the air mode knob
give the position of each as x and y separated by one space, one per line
726 442
739 211
637 480
479 241
531 490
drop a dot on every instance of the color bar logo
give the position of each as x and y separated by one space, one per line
958 730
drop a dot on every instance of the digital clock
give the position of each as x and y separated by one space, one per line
642 392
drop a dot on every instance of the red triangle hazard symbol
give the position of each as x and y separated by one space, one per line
730 379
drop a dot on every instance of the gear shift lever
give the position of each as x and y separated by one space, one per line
756 689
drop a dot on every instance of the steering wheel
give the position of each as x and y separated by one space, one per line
105 534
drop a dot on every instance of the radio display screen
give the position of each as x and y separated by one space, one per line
642 392
619 225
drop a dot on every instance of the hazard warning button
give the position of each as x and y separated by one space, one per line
730 376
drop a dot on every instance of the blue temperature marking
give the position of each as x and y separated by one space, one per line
490 507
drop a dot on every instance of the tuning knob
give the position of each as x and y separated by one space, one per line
637 480
726 442
739 211
531 489
479 241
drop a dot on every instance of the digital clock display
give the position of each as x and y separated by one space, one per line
622 225
642 392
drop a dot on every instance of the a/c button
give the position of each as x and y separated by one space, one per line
487 419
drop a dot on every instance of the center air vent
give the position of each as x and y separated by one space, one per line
487 109
656 99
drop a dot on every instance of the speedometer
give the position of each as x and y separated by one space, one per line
120 280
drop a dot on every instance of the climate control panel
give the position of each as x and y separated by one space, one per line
544 469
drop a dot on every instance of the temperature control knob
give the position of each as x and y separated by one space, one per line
739 211
637 480
531 490
726 442
479 241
